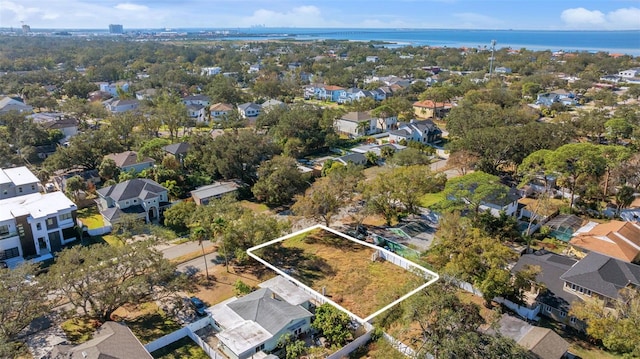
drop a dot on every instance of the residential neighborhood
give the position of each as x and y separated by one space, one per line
173 195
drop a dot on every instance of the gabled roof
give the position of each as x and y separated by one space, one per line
214 190
136 188
176 149
249 105
265 308
544 343
124 103
430 104
356 158
111 341
220 107
357 116
603 275
194 107
11 104
552 267
617 239
332 88
127 158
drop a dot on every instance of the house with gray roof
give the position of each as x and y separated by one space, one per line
420 131
600 276
542 343
552 300
111 341
256 322
128 161
140 196
203 195
249 109
9 104
178 150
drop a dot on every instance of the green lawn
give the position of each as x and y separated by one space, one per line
91 217
431 199
183 348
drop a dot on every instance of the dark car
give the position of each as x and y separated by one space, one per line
198 305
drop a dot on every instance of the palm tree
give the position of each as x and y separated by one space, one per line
200 234
218 226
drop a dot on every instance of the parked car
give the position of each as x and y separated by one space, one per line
198 305
3 264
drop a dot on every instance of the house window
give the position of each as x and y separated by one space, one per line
572 320
260 348
4 230
135 201
39 226
65 216
20 189
547 308
49 222
563 314
33 187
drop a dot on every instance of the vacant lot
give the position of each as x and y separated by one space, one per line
344 269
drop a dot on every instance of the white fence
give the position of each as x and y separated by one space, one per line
399 346
524 312
99 231
167 339
468 287
190 331
347 349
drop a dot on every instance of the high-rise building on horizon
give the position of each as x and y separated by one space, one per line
26 29
116 29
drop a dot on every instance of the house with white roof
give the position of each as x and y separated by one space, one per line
256 322
32 224
18 181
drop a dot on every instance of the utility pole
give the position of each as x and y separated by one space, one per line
493 49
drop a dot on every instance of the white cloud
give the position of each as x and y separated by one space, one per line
131 7
620 19
581 16
626 18
301 16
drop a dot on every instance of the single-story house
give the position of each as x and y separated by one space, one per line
272 104
542 343
202 195
256 322
112 340
355 158
178 150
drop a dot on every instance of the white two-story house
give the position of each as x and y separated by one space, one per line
32 225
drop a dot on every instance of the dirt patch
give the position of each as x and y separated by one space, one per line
220 285
344 270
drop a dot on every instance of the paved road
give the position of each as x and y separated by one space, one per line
172 251
197 265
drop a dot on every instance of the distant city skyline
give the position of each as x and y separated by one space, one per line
433 14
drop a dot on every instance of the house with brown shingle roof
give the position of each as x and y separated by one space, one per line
128 161
617 239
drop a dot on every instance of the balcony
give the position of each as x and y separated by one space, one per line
8 235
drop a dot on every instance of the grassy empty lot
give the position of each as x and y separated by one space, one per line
321 259
183 348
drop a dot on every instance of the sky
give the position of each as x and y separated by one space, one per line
445 14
